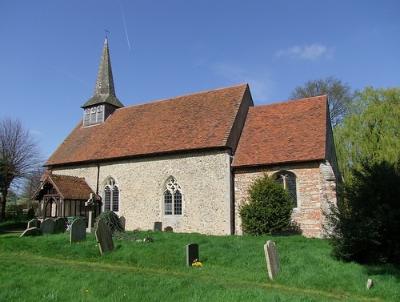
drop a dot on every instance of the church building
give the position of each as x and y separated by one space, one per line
188 161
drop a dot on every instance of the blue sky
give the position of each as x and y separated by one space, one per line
50 50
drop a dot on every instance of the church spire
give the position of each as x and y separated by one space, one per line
104 92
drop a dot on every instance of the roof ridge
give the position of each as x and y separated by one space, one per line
181 96
290 101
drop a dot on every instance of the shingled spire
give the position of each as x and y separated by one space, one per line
104 92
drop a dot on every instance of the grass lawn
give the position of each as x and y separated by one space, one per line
48 268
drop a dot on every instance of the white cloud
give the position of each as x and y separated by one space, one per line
260 82
306 52
36 132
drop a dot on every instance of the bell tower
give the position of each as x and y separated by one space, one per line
104 101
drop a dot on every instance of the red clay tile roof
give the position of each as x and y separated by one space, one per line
293 131
69 187
197 121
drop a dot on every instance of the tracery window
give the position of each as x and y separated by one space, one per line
288 181
172 198
111 196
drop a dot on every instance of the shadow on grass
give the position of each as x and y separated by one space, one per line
12 226
384 270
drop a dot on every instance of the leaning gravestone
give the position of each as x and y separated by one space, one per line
104 237
47 226
192 253
78 230
33 223
34 231
271 256
158 226
59 225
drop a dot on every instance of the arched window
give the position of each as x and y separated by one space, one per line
288 181
172 198
111 196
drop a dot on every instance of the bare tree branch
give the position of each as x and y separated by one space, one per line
19 156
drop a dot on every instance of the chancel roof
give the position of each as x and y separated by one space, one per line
293 131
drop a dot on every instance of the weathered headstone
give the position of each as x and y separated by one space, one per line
78 230
47 226
33 223
34 231
59 225
370 283
271 256
158 226
192 253
168 229
104 237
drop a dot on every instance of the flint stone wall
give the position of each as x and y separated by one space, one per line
205 179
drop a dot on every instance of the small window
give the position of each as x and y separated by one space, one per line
115 199
111 196
288 181
172 198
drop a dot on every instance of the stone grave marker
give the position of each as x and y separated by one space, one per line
192 253
33 223
168 229
104 237
370 283
271 256
33 231
47 226
59 225
78 230
158 226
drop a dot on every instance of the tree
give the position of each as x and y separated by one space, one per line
339 96
19 156
269 208
365 226
371 131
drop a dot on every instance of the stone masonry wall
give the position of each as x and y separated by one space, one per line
314 191
204 178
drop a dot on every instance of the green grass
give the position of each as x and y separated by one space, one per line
48 268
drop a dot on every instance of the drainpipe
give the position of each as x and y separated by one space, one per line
97 182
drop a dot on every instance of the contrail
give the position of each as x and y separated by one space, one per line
125 28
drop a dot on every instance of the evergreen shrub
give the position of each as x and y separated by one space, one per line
268 209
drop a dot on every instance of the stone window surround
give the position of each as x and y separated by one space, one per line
298 199
171 185
111 183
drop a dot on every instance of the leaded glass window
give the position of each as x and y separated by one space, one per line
172 198
111 196
288 181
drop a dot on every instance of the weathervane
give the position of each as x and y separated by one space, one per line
107 32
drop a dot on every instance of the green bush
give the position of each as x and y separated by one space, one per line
112 220
268 210
365 226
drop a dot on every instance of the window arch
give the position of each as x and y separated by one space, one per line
288 181
111 196
172 197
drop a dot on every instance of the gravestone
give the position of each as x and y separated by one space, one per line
59 225
158 226
78 230
33 223
370 283
168 229
104 237
271 256
192 253
34 231
47 226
